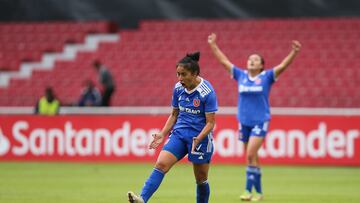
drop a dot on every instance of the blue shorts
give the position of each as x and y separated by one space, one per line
258 130
180 143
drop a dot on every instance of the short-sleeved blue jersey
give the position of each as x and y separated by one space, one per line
193 105
253 101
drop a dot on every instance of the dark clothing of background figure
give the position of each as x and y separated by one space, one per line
107 96
106 79
90 97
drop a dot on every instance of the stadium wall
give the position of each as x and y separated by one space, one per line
128 13
296 139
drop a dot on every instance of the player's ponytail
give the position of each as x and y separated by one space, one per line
190 62
194 56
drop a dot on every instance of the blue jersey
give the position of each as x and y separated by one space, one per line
253 101
193 105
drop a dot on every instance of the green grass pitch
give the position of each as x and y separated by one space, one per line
104 182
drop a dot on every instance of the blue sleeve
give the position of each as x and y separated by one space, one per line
175 102
271 75
211 104
236 73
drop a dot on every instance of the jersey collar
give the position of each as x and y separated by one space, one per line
193 90
256 76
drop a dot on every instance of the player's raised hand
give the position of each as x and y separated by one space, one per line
158 139
296 46
212 38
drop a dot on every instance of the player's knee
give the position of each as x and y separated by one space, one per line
201 181
251 158
200 177
162 167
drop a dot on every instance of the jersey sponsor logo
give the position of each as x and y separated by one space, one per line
196 102
243 88
188 110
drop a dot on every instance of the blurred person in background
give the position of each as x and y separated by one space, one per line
48 104
192 120
254 84
106 79
90 95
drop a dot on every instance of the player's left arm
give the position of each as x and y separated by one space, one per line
209 126
159 137
296 46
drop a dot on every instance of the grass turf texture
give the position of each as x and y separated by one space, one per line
102 182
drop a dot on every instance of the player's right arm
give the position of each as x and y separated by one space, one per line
159 137
220 56
296 46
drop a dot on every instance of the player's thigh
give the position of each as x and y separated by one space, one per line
201 172
254 145
165 161
258 133
176 146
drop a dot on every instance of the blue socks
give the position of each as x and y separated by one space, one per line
253 179
258 181
152 184
202 192
155 179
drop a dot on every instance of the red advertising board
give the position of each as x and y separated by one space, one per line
298 140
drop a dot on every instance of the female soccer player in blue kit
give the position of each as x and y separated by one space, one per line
254 86
192 120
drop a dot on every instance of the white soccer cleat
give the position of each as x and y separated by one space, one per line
246 196
257 197
134 198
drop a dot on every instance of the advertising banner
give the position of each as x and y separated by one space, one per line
295 140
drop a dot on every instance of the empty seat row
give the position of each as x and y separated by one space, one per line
26 41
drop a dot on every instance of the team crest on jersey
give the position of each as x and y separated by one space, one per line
196 102
258 81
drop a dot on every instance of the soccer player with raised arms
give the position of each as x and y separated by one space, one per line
191 123
254 84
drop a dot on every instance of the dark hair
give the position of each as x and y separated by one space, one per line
190 62
49 93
